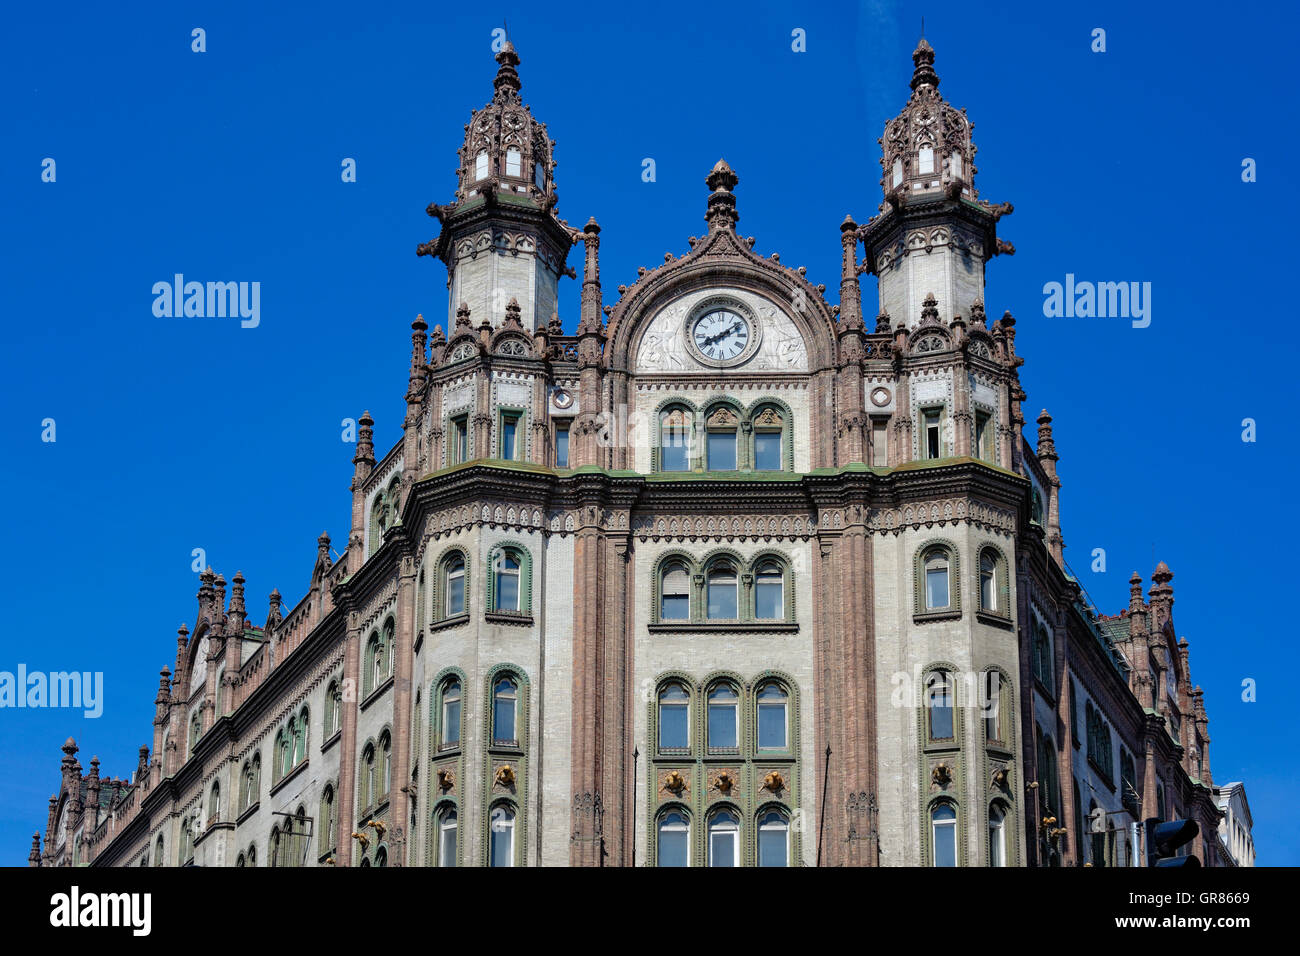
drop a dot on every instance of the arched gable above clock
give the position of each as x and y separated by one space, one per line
782 322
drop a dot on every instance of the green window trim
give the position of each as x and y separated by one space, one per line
519 416
920 612
1002 582
494 757
438 597
433 842
691 430
450 423
525 578
437 687
927 830
697 570
750 799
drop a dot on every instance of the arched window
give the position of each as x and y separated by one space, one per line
724 718
674 719
388 647
187 841
369 783
721 591
1049 794
447 823
997 835
773 717
481 165
769 591
506 571
449 728
936 570
328 820
989 597
158 858
997 709
674 830
419 603
279 761
505 705
378 522
453 585
255 786
373 668
769 439
774 838
720 439
214 803
943 835
196 730
300 737
939 705
501 838
333 709
239 860
675 439
675 593
724 838
385 771
222 708
1036 508
1042 654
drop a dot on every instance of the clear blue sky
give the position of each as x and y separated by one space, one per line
175 434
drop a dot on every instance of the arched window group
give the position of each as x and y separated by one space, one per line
724 837
733 716
376 778
724 588
291 745
383 513
726 437
1100 753
377 667
250 782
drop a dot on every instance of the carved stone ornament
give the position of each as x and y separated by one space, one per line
941 775
505 776
674 782
446 779
774 782
725 782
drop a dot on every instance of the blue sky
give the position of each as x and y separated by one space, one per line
176 434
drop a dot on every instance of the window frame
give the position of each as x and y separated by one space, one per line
929 550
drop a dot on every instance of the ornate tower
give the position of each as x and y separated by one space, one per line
501 239
933 235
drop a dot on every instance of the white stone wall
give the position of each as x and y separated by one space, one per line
700 654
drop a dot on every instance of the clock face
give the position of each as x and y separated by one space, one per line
720 334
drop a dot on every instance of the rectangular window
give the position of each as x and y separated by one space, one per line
722 848
459 439
676 607
771 726
767 451
768 599
513 162
673 449
898 171
672 846
936 588
880 442
931 433
481 166
451 721
925 160
562 445
722 726
722 451
509 435
673 727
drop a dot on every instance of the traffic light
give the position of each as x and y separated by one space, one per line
1164 838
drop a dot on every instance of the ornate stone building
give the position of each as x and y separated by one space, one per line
731 576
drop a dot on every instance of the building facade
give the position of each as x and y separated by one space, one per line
731 576
1237 843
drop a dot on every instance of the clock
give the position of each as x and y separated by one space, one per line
722 332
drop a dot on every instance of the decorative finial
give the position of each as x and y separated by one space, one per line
923 60
507 82
722 201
